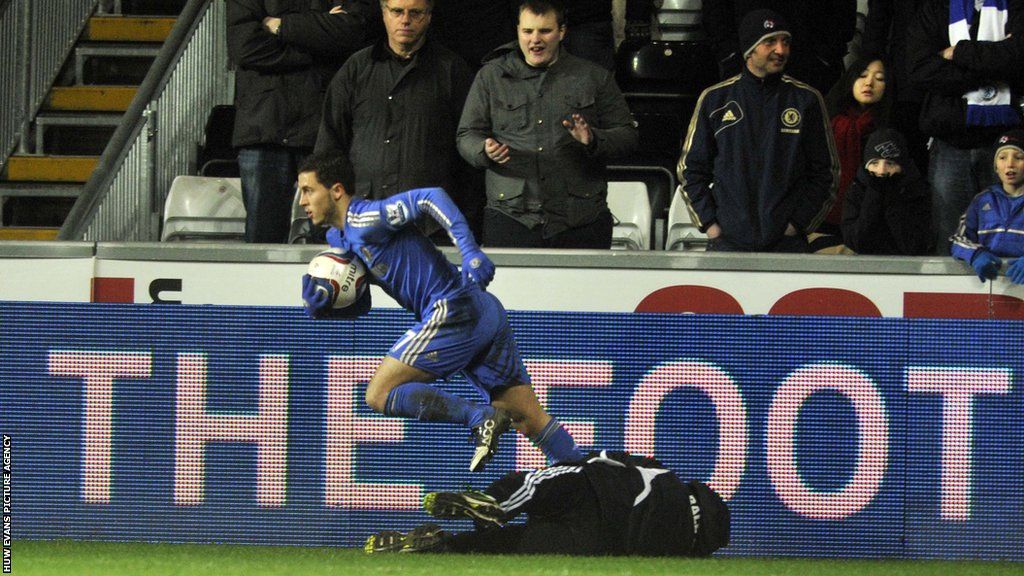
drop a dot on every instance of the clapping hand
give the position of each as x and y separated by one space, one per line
578 127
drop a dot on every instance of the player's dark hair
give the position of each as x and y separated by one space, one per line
331 168
543 7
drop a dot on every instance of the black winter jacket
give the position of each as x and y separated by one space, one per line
398 132
280 79
888 215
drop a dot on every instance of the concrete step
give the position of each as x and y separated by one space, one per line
38 190
128 29
116 50
50 168
90 98
47 119
33 233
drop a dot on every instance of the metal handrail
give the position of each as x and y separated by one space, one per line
138 128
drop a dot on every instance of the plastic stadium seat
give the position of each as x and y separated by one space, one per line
299 232
683 234
631 210
687 5
661 185
220 168
203 208
661 132
677 60
216 156
680 68
680 20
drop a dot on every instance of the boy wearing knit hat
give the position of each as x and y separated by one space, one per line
887 207
992 228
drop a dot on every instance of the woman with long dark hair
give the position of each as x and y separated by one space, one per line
858 105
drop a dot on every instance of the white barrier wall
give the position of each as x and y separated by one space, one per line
590 281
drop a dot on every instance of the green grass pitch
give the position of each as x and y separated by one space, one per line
115 559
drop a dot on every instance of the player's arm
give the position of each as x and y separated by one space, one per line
402 209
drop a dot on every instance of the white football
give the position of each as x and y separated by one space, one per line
348 276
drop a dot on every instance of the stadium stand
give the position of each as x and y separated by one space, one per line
661 79
80 77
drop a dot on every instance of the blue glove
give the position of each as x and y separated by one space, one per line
477 267
986 264
1015 272
317 296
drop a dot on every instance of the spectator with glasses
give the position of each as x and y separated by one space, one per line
393 109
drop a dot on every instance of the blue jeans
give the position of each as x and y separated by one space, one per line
956 176
268 175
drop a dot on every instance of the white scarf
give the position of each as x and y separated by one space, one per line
988 105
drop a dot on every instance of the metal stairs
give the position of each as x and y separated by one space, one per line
43 179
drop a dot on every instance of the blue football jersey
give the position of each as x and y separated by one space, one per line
407 265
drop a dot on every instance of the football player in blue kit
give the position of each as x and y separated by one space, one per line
460 327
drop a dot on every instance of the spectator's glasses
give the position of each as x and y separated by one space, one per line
415 14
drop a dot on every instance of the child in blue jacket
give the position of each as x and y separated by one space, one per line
993 226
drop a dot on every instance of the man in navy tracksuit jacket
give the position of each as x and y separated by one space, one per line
759 168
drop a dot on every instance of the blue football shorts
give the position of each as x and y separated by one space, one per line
470 334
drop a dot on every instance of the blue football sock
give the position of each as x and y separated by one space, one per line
556 443
429 404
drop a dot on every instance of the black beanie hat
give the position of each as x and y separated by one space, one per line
758 25
1011 139
885 144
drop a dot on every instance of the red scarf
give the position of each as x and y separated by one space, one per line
850 129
